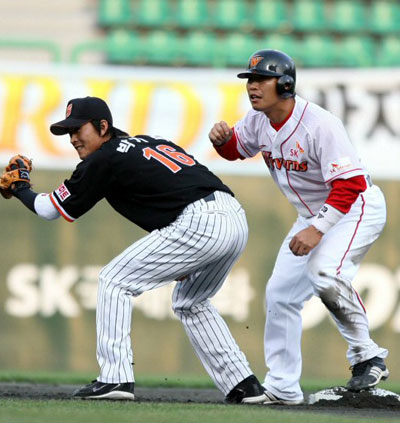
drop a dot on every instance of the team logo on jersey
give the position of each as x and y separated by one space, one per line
299 147
295 152
340 164
69 110
62 192
281 163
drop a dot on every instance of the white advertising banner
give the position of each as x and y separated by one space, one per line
183 104
45 290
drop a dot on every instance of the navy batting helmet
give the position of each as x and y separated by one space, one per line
273 63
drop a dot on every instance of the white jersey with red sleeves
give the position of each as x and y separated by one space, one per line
304 156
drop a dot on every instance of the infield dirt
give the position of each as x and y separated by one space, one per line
360 404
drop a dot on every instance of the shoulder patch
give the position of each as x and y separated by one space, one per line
340 164
62 192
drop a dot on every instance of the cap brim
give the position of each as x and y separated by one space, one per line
62 127
248 73
244 75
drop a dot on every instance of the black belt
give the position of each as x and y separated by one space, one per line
210 197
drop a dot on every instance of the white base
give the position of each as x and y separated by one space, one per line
337 393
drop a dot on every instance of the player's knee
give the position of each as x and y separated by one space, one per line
105 283
277 298
330 296
113 286
185 308
182 310
313 269
325 287
275 289
102 276
272 287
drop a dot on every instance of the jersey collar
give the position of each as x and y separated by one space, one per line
291 123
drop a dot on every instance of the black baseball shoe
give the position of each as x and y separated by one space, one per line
101 390
367 374
248 391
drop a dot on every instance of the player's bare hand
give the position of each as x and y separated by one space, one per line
305 240
220 133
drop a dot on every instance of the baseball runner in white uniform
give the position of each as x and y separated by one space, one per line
340 214
197 231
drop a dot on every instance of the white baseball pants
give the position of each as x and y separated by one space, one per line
295 279
199 248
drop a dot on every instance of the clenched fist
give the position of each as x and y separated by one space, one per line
220 133
305 240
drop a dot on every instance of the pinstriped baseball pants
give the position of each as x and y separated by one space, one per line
199 248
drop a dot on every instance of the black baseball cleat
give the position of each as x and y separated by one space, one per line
248 391
101 390
367 374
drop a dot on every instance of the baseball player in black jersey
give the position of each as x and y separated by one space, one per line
197 230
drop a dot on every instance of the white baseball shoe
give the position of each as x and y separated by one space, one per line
273 399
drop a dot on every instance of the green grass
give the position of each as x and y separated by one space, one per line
13 411
165 381
76 411
45 377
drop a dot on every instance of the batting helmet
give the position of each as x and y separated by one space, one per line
273 63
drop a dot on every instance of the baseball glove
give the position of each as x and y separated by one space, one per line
19 162
16 171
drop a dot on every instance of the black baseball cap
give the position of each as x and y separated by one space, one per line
82 110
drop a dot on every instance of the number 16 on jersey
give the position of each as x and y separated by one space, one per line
164 155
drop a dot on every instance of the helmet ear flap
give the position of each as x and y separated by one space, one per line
285 86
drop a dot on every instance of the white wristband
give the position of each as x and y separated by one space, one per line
45 208
327 217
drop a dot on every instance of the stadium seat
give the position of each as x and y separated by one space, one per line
388 52
272 14
309 15
356 51
230 14
238 47
123 46
193 14
163 47
152 13
316 51
82 48
114 12
347 16
199 48
384 17
285 43
23 45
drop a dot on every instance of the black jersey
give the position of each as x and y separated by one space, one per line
148 180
